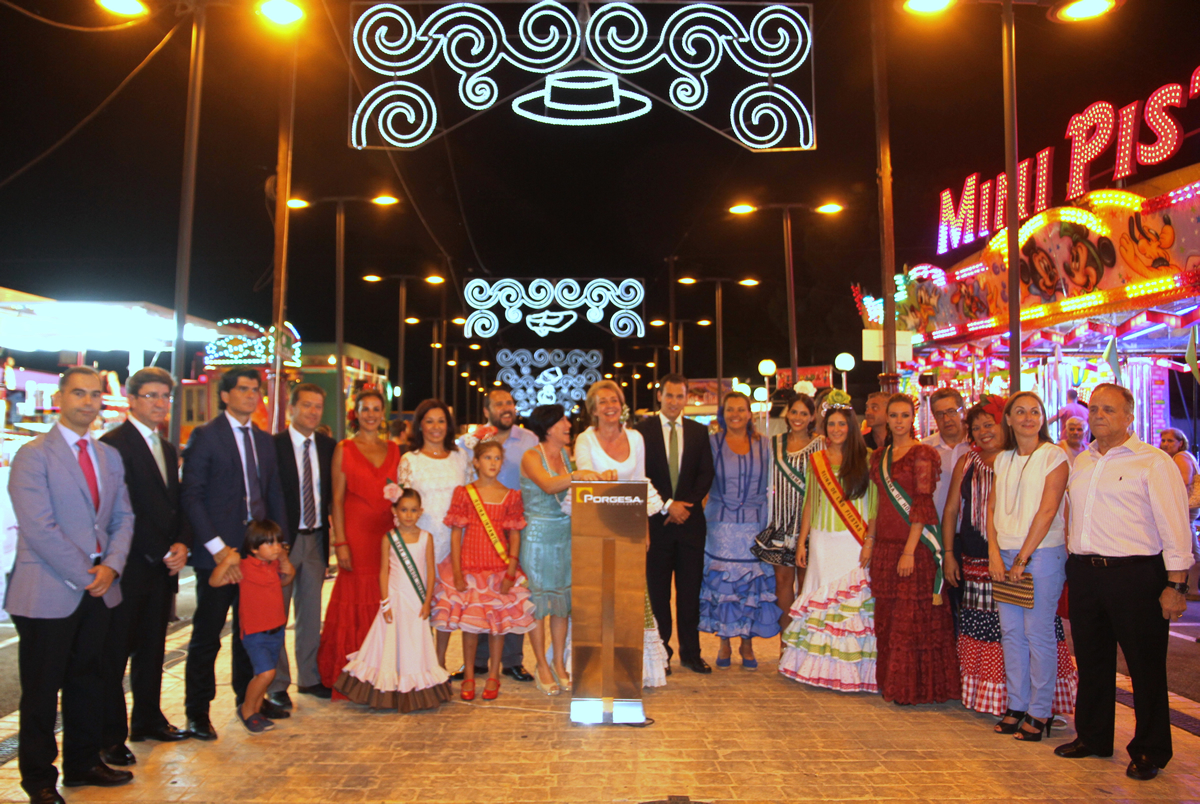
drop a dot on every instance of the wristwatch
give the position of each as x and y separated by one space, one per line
1181 588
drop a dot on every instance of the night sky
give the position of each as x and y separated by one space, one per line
507 197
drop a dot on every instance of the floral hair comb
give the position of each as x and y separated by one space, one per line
836 400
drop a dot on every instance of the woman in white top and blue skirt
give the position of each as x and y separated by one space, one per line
1027 533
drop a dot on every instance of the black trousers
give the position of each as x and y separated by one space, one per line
61 654
669 557
513 655
137 635
212 606
1113 606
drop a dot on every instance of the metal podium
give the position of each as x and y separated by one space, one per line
608 588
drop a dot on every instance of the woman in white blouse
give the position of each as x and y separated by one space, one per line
1027 533
616 452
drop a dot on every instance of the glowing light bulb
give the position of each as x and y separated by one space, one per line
434 279
687 280
618 364
412 320
703 322
281 12
124 8
927 6
832 208
385 200
743 209
460 320
333 360
297 203
748 282
766 367
1079 10
372 278
650 364
475 346
658 322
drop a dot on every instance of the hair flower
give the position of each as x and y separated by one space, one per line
805 387
392 492
836 400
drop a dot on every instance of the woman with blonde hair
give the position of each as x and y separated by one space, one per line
617 452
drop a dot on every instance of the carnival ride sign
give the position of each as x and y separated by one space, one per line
1113 250
584 58
548 377
251 345
556 303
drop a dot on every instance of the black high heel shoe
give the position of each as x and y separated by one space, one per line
1010 728
1035 736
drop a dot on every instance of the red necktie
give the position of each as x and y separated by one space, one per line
89 471
89 474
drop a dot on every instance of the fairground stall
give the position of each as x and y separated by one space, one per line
1108 286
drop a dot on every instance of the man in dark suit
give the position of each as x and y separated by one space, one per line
229 478
74 526
679 463
138 631
305 459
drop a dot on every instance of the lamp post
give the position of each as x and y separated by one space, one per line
767 369
340 288
282 13
844 363
830 208
719 317
403 319
675 349
1058 11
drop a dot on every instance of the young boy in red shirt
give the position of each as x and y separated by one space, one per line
265 570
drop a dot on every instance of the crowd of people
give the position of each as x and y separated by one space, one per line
924 571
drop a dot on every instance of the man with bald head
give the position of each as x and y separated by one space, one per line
1072 440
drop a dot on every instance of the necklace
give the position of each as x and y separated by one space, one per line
1009 506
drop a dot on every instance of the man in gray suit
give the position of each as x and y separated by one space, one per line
74 526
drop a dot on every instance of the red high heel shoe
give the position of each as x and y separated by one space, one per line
490 693
467 690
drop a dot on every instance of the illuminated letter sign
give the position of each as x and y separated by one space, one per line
956 228
563 377
1090 133
677 46
1165 127
512 295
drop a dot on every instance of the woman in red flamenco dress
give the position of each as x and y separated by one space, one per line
362 465
914 628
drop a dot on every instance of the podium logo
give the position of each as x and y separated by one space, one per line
583 494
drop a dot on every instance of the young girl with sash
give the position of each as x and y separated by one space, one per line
830 642
485 593
397 666
913 623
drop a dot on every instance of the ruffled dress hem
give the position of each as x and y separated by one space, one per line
738 600
482 608
831 640
362 692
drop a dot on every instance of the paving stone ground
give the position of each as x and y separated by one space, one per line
733 736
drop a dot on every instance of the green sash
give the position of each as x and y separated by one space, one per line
931 535
406 560
794 477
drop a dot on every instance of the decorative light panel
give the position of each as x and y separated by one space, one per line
548 376
252 346
543 295
584 57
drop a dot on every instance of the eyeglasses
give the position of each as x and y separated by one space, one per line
945 414
156 397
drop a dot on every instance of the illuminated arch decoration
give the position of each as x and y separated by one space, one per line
511 294
251 345
548 377
580 55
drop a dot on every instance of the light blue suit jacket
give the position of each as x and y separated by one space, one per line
58 527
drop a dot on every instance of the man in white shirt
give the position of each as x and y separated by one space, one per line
946 405
1072 440
1130 545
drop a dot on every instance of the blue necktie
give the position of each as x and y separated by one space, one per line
258 509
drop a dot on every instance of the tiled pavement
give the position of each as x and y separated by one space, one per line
734 736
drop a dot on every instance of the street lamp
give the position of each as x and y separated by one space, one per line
187 199
766 368
124 8
844 363
403 319
829 208
340 290
720 283
676 348
1059 11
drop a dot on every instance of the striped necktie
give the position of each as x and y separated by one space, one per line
309 516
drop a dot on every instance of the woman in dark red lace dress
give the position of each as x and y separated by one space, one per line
362 465
913 625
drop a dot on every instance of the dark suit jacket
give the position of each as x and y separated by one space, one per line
289 476
159 521
214 487
695 477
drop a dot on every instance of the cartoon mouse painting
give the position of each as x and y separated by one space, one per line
1086 261
1038 272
